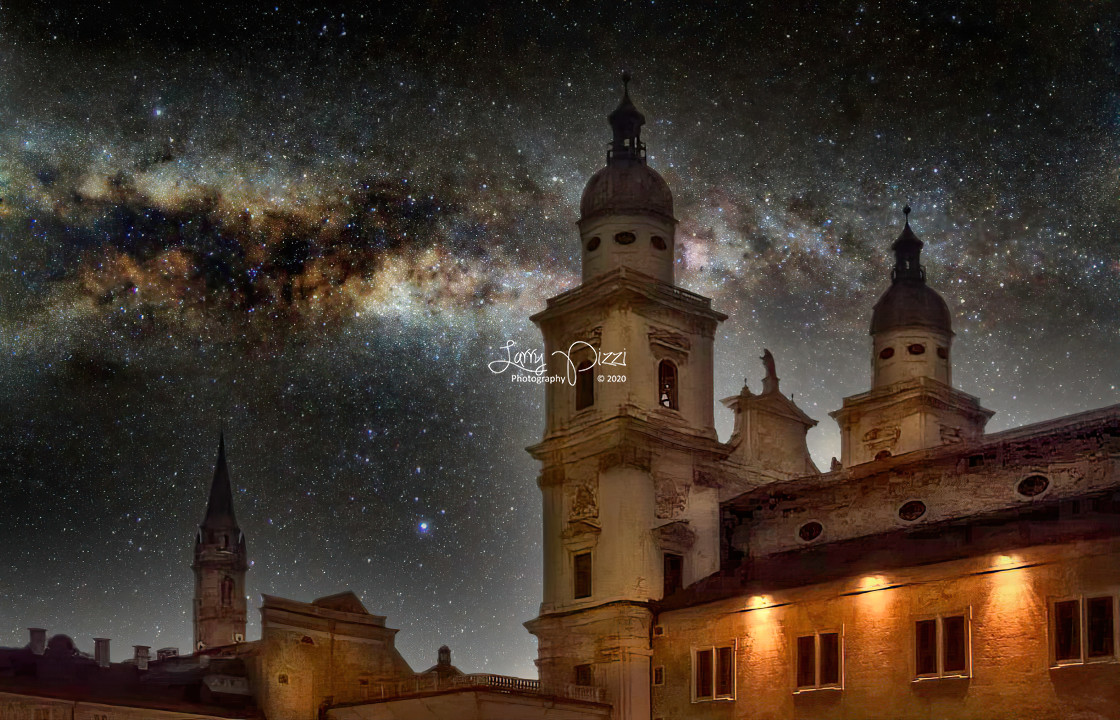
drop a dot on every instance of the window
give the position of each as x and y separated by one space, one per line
585 385
227 591
941 647
282 679
658 242
1033 486
810 531
667 384
819 661
916 349
659 675
886 353
1084 629
625 238
674 573
593 244
713 673
583 675
912 510
581 573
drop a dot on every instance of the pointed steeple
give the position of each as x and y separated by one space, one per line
907 253
219 511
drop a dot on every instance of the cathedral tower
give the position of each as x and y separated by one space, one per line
628 477
912 403
220 562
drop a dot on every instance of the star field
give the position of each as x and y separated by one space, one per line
314 227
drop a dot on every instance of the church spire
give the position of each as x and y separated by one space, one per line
219 510
626 122
907 253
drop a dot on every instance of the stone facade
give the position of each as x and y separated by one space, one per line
934 571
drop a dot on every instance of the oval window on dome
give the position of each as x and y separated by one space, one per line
810 531
658 242
916 349
593 244
943 353
625 238
912 510
886 353
1033 485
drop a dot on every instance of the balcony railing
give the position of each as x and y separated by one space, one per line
422 684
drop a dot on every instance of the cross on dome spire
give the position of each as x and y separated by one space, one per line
626 122
907 253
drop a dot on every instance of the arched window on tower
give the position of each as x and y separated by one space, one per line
227 591
667 384
585 385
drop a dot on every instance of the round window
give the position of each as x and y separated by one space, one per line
625 238
886 353
916 349
593 244
810 531
943 353
658 242
1033 485
912 510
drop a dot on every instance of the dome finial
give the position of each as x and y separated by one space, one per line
626 122
907 252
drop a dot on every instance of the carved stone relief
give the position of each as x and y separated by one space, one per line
670 499
583 499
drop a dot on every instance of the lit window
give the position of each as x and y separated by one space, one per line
583 675
667 384
1083 630
819 661
674 574
713 673
941 647
585 385
581 572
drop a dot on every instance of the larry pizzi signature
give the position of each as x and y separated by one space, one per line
533 362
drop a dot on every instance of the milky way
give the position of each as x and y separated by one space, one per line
314 228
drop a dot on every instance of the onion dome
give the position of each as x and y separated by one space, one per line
627 185
910 302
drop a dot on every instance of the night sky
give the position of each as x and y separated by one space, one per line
313 227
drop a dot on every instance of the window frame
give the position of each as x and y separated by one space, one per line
665 590
666 368
733 646
590 574
585 386
1082 601
817 684
939 646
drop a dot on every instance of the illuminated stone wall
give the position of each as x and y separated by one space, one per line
1007 597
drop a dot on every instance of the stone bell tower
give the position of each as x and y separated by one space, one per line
629 449
912 403
220 562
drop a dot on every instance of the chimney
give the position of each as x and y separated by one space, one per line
141 656
101 651
444 656
38 640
